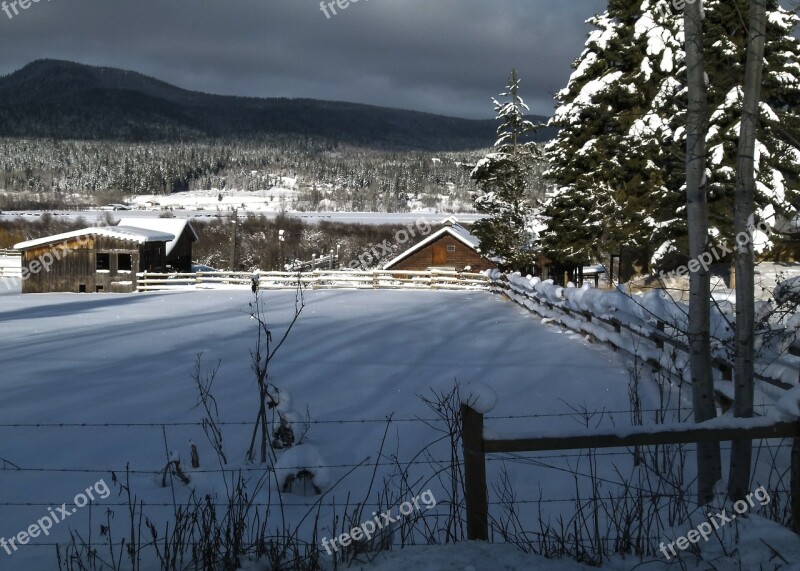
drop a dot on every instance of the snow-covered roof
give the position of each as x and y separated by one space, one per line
135 234
174 226
455 230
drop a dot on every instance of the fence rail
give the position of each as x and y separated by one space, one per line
10 263
586 323
476 446
374 279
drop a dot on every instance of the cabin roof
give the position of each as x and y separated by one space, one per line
132 233
174 226
455 230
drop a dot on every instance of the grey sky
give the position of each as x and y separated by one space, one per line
442 56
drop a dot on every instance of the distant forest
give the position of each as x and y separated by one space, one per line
54 174
257 245
66 100
74 135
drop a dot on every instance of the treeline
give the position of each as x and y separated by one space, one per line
69 173
51 174
257 244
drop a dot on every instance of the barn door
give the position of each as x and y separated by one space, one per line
439 255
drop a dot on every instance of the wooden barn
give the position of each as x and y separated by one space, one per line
452 247
179 249
101 259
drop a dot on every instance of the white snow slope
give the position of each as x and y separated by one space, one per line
94 358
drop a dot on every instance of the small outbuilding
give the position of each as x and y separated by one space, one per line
453 247
179 249
100 259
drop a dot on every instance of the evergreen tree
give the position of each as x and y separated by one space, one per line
777 160
504 179
601 168
618 161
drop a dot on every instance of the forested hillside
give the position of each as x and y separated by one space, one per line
45 173
66 100
76 135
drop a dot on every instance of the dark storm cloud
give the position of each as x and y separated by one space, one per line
442 56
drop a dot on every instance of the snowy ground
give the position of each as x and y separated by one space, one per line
354 355
767 276
92 216
278 198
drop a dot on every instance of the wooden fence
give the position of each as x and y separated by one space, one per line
476 446
321 279
10 264
585 323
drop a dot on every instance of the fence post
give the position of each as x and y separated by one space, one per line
474 474
794 484
727 375
659 331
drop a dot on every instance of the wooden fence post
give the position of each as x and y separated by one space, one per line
794 484
727 375
474 474
659 332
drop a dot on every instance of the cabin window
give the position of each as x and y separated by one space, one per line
82 288
103 261
451 249
124 262
98 289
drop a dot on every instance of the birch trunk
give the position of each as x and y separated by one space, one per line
741 451
709 469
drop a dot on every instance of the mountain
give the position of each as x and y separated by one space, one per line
66 100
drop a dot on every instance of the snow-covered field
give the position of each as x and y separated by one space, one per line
280 197
92 216
72 359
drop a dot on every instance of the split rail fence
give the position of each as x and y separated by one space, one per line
373 279
476 445
10 264
586 323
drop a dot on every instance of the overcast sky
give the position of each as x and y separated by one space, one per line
442 56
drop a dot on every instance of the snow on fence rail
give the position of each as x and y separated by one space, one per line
476 445
374 279
652 328
10 264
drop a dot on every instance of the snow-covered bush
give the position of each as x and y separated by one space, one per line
302 470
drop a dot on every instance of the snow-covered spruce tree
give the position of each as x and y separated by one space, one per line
777 157
504 177
618 161
602 174
655 135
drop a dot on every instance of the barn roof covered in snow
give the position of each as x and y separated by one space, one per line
132 233
174 226
454 229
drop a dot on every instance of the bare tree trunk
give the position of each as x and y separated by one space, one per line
709 469
741 452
